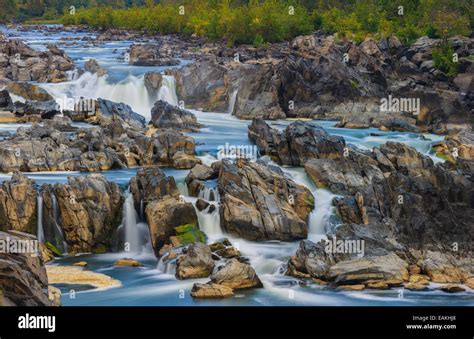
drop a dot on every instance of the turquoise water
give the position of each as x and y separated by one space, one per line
150 285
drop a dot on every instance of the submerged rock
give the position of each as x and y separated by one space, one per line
78 276
127 262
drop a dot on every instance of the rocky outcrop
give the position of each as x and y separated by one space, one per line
169 218
165 115
93 67
153 82
23 279
29 91
21 63
259 203
401 205
296 144
121 142
244 90
18 207
108 111
150 55
196 178
90 210
236 275
196 262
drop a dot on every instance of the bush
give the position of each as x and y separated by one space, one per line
443 59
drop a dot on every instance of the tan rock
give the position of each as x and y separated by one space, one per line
419 279
378 286
80 264
416 287
358 287
127 262
470 282
78 276
54 294
414 269
211 291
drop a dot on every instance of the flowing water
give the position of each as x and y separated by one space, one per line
154 282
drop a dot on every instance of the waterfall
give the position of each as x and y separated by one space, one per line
167 266
232 102
131 91
58 232
167 91
209 194
136 234
319 223
210 223
40 229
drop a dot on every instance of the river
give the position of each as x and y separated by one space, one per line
152 283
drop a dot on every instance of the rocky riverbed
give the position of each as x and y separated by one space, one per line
161 196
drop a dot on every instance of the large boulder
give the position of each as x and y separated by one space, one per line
90 210
23 279
165 115
18 207
259 203
29 91
299 142
236 275
108 111
197 262
93 67
168 216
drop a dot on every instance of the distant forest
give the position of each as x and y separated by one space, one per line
256 21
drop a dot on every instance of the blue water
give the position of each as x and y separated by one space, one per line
149 286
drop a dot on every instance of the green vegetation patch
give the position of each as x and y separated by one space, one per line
189 234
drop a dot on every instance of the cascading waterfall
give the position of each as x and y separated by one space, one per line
136 235
233 100
167 92
209 194
58 232
40 229
131 91
166 266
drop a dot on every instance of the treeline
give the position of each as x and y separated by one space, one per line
260 21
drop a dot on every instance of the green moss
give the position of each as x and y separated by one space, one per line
310 201
53 249
189 234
